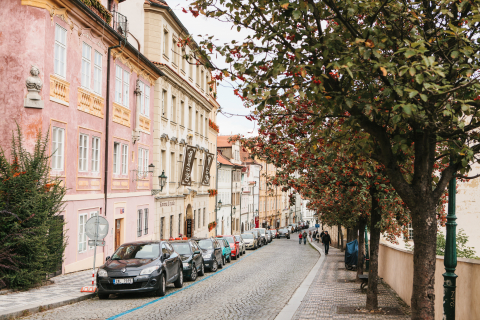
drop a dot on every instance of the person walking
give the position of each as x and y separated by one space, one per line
310 234
300 238
305 237
326 241
317 237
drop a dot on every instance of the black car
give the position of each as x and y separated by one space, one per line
211 252
140 266
283 233
191 256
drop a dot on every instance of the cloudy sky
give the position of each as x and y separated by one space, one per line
229 102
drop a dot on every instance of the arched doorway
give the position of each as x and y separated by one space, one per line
189 222
242 227
223 227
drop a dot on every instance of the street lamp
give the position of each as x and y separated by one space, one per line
217 208
162 180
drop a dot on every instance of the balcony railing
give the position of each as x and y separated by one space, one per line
120 23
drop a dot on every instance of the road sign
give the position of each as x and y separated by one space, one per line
100 243
94 232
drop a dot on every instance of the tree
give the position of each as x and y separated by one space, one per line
30 201
402 71
345 188
463 251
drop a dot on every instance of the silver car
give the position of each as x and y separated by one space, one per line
251 240
241 244
269 235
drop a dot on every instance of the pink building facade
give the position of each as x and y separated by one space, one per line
54 78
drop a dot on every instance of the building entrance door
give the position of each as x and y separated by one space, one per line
118 231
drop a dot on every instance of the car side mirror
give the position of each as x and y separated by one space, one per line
197 252
107 258
166 255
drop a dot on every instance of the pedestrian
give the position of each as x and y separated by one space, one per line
317 237
300 238
326 241
321 235
310 234
304 237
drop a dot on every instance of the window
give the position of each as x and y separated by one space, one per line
197 75
116 158
118 84
204 217
139 223
182 113
199 217
145 99
183 61
190 69
82 237
194 216
172 167
201 124
196 121
190 117
143 161
126 85
95 154
174 109
124 159
86 65
58 138
203 79
83 153
60 51
165 43
92 214
97 73
410 232
164 95
174 52
171 226
145 231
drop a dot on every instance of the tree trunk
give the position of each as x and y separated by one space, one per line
340 238
424 258
375 217
361 246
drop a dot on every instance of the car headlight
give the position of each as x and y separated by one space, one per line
207 255
149 270
102 273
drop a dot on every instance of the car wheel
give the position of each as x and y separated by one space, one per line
221 264
163 286
202 270
229 259
238 255
234 258
193 275
243 251
179 282
214 266
103 296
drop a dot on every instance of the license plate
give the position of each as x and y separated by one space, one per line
123 281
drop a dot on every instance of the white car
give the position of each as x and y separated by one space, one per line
241 245
250 240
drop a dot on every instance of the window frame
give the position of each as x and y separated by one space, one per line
55 148
83 153
139 222
86 67
97 72
145 224
61 73
95 163
116 158
82 236
124 159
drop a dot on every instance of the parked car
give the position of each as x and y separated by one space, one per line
269 235
284 233
191 256
234 246
257 235
241 244
140 266
251 240
226 251
263 236
274 233
211 252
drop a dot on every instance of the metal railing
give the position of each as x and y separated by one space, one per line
120 23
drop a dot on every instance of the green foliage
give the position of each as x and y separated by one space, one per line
463 251
31 232
100 8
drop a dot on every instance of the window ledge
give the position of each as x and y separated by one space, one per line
165 57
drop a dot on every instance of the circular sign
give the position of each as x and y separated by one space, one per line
96 228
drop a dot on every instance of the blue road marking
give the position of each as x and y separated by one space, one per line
171 294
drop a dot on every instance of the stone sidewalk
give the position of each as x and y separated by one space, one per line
65 290
334 294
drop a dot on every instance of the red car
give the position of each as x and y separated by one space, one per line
234 246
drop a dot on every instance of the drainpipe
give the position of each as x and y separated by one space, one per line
231 200
216 196
107 126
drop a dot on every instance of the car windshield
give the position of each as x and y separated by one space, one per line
229 239
238 238
220 241
261 231
137 251
205 244
182 248
247 236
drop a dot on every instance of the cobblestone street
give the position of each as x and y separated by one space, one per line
255 287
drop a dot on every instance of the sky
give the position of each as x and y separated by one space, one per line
230 103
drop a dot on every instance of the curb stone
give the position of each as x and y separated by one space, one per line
28 311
